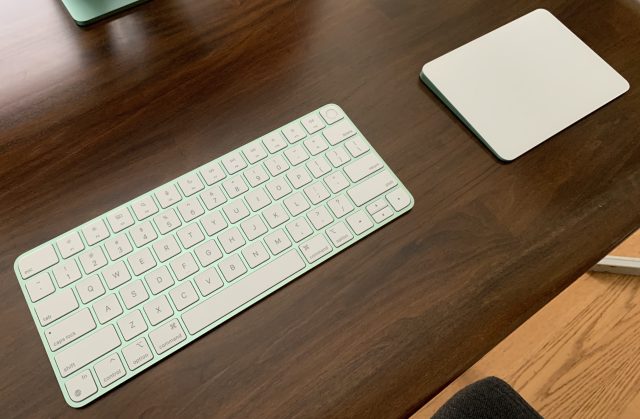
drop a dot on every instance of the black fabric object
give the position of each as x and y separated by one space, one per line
489 398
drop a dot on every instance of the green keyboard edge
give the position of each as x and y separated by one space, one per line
190 338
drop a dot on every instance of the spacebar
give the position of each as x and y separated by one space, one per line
238 294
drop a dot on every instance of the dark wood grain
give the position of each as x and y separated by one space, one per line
91 118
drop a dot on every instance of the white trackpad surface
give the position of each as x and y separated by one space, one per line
524 82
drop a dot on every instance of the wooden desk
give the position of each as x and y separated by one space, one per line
90 118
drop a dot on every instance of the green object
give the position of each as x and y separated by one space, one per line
85 12
38 269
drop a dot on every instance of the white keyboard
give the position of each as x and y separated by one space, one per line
123 291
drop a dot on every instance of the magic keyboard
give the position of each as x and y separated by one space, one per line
125 290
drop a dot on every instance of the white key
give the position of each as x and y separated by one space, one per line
109 370
299 229
167 195
76 356
296 204
376 206
274 142
159 280
213 197
70 244
253 227
167 221
372 187
340 206
256 175
338 156
183 295
70 329
231 240
95 232
312 123
339 132
336 181
116 274
167 336
157 310
213 223
339 234
190 209
298 177
362 168
318 167
207 253
294 132
212 173
190 235
183 266
315 248
118 246
238 294
254 152
144 207
359 222
236 211
55 306
39 286
257 199
278 188
133 294
296 155
320 217
66 273
233 162
399 199
143 233
90 288
275 215
120 219
81 386
255 254
235 186
132 325
276 165
92 260
208 281
316 193
382 215
166 248
137 354
277 241
107 308
232 267
141 261
190 184
316 144
331 114
356 146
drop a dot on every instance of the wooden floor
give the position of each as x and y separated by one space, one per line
577 357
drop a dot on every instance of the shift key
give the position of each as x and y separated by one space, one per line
92 347
371 188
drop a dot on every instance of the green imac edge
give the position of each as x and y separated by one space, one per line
85 12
